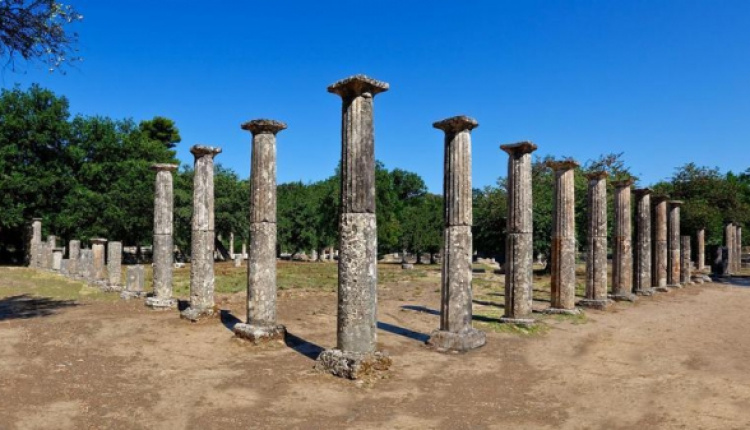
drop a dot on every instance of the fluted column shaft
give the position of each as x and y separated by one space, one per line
114 264
163 237
685 261
643 281
35 241
674 243
622 249
596 245
563 258
701 251
661 243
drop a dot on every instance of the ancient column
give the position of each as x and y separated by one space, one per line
738 248
134 282
456 332
57 255
596 246
622 249
674 244
357 291
729 243
86 265
701 251
202 240
74 254
49 250
161 298
100 269
563 258
685 261
35 241
231 245
244 250
642 281
519 250
261 262
660 278
114 265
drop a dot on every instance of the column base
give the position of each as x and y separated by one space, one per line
109 288
561 311
448 341
127 295
595 304
674 286
518 321
661 289
646 292
197 314
258 334
352 365
623 297
697 280
160 303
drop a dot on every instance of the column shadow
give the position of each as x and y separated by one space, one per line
26 306
228 320
302 346
488 303
419 308
401 331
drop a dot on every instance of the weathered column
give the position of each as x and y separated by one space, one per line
456 332
244 250
622 249
261 262
134 282
642 282
49 250
563 259
74 254
519 250
685 261
57 255
701 251
674 244
231 245
738 248
86 265
596 246
202 241
161 298
660 278
100 269
114 265
355 352
35 251
729 243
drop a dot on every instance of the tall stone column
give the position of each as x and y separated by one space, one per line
35 241
261 262
231 245
738 248
456 332
202 240
622 248
642 282
355 352
701 251
729 244
685 261
100 269
114 265
74 255
660 276
519 250
563 284
161 298
596 246
674 244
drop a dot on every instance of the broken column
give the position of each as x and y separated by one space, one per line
685 261
355 353
161 298
674 244
114 265
261 323
100 269
701 251
74 255
563 258
202 241
660 278
596 246
35 241
86 265
57 255
48 251
519 251
134 282
622 249
456 332
642 281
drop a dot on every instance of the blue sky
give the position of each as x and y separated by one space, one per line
665 82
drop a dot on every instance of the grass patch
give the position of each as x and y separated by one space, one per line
21 280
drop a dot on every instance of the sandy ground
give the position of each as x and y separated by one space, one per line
679 360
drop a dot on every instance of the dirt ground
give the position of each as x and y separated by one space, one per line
679 360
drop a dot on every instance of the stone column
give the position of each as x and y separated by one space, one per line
74 254
231 245
519 250
685 261
596 246
202 240
57 255
49 250
622 249
701 251
563 258
35 241
729 243
355 352
134 282
244 250
161 298
642 281
674 244
456 332
738 248
114 265
100 269
261 263
660 276
86 265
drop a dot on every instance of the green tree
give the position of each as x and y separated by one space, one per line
162 130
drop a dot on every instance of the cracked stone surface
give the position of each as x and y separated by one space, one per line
622 249
163 237
563 249
114 264
352 365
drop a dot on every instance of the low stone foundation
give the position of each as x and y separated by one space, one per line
663 289
594 304
518 321
647 292
260 334
127 295
558 311
352 365
623 297
466 340
675 286
159 303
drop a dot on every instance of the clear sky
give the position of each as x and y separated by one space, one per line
665 82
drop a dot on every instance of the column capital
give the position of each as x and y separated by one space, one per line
36 219
164 167
597 174
642 192
658 198
98 241
456 124
623 183
675 202
562 165
519 148
358 85
260 126
202 150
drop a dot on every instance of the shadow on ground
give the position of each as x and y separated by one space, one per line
26 306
